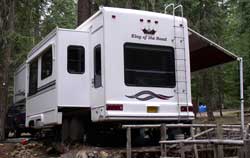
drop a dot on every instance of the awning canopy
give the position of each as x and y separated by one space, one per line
204 53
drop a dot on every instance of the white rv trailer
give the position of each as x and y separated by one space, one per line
120 65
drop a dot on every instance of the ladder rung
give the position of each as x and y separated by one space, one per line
179 37
179 26
181 70
180 52
181 92
180 59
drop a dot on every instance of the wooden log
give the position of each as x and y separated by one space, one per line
182 150
215 147
196 155
231 126
142 126
246 132
129 142
247 148
205 141
195 136
232 129
163 137
179 125
219 148
244 152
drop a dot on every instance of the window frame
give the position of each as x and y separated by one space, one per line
44 52
70 71
160 47
97 83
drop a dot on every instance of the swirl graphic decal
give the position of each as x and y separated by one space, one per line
150 95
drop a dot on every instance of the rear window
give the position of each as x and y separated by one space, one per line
149 65
76 57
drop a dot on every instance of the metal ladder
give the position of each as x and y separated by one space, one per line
180 56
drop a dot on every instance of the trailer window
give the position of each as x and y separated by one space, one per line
97 67
33 73
149 65
47 63
76 57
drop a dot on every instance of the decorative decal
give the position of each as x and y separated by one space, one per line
150 94
148 31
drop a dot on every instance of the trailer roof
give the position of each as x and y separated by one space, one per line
205 53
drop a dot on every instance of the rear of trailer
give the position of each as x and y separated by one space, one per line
120 65
145 67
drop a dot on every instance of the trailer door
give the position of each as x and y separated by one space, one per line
97 71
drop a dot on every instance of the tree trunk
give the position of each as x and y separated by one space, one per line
7 29
84 11
36 19
131 4
220 85
151 4
208 91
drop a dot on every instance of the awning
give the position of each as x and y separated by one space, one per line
205 53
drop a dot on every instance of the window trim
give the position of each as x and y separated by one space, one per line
98 46
79 46
141 44
43 53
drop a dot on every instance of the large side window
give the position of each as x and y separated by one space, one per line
97 67
33 73
76 58
149 65
47 63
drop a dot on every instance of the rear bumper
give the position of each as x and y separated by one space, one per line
141 118
149 116
101 114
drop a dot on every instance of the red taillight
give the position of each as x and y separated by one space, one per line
116 107
183 109
186 108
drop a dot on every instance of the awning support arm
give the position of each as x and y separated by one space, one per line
241 95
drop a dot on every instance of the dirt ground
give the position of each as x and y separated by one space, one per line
13 148
17 150
229 117
5 149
